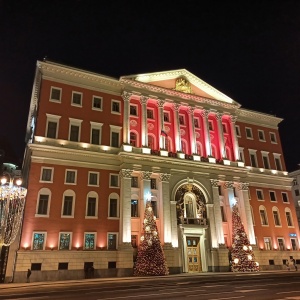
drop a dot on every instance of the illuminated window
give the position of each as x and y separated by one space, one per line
267 242
134 208
112 241
89 241
294 244
38 242
65 241
281 245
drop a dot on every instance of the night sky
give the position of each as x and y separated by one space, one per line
249 50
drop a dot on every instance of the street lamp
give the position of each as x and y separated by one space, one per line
12 201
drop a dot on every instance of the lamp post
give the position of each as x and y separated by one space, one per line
12 201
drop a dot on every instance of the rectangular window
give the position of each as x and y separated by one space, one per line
64 241
47 174
36 267
276 218
273 138
272 196
281 245
115 107
166 117
259 195
38 242
241 154
133 110
150 114
134 208
294 244
93 178
181 120
237 131
196 123
261 135
278 163
134 182
220 190
70 177
51 130
91 207
253 160
76 99
55 94
97 103
43 205
288 218
63 266
297 192
223 214
89 241
267 242
95 136
224 128
153 184
284 197
154 208
68 205
210 125
266 162
112 241
114 180
74 133
249 133
263 217
115 139
113 208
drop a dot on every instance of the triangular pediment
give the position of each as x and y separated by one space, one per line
182 81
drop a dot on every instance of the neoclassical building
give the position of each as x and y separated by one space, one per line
99 147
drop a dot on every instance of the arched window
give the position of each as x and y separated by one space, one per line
133 139
43 203
91 210
289 218
113 205
263 215
276 216
68 204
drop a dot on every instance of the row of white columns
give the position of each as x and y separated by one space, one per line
176 107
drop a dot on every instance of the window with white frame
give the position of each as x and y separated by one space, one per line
113 206
273 138
52 126
115 135
281 244
276 216
272 196
55 94
112 239
263 216
249 134
115 107
92 205
288 216
68 204
114 180
96 130
265 158
39 240
76 99
294 244
237 130
267 243
241 154
70 176
261 135
46 174
150 113
253 158
97 103
93 179
277 161
90 240
259 195
74 130
43 202
284 196
133 110
65 240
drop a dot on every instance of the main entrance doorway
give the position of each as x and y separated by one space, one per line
193 254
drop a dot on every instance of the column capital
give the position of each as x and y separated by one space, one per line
228 185
126 95
191 110
144 99
214 183
219 116
125 173
176 106
233 118
204 113
145 175
164 177
160 103
244 186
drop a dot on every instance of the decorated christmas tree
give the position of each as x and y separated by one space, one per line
150 258
242 256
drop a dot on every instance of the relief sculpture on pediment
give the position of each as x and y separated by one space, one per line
183 85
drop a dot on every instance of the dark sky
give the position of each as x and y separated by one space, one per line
249 50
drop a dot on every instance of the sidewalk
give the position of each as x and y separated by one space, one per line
120 279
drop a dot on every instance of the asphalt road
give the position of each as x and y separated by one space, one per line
209 286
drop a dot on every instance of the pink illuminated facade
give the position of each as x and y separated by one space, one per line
98 148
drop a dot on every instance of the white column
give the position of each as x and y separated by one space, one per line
243 187
235 140
144 132
177 127
229 202
192 129
204 114
125 207
126 128
174 233
145 187
165 196
217 211
221 136
160 126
